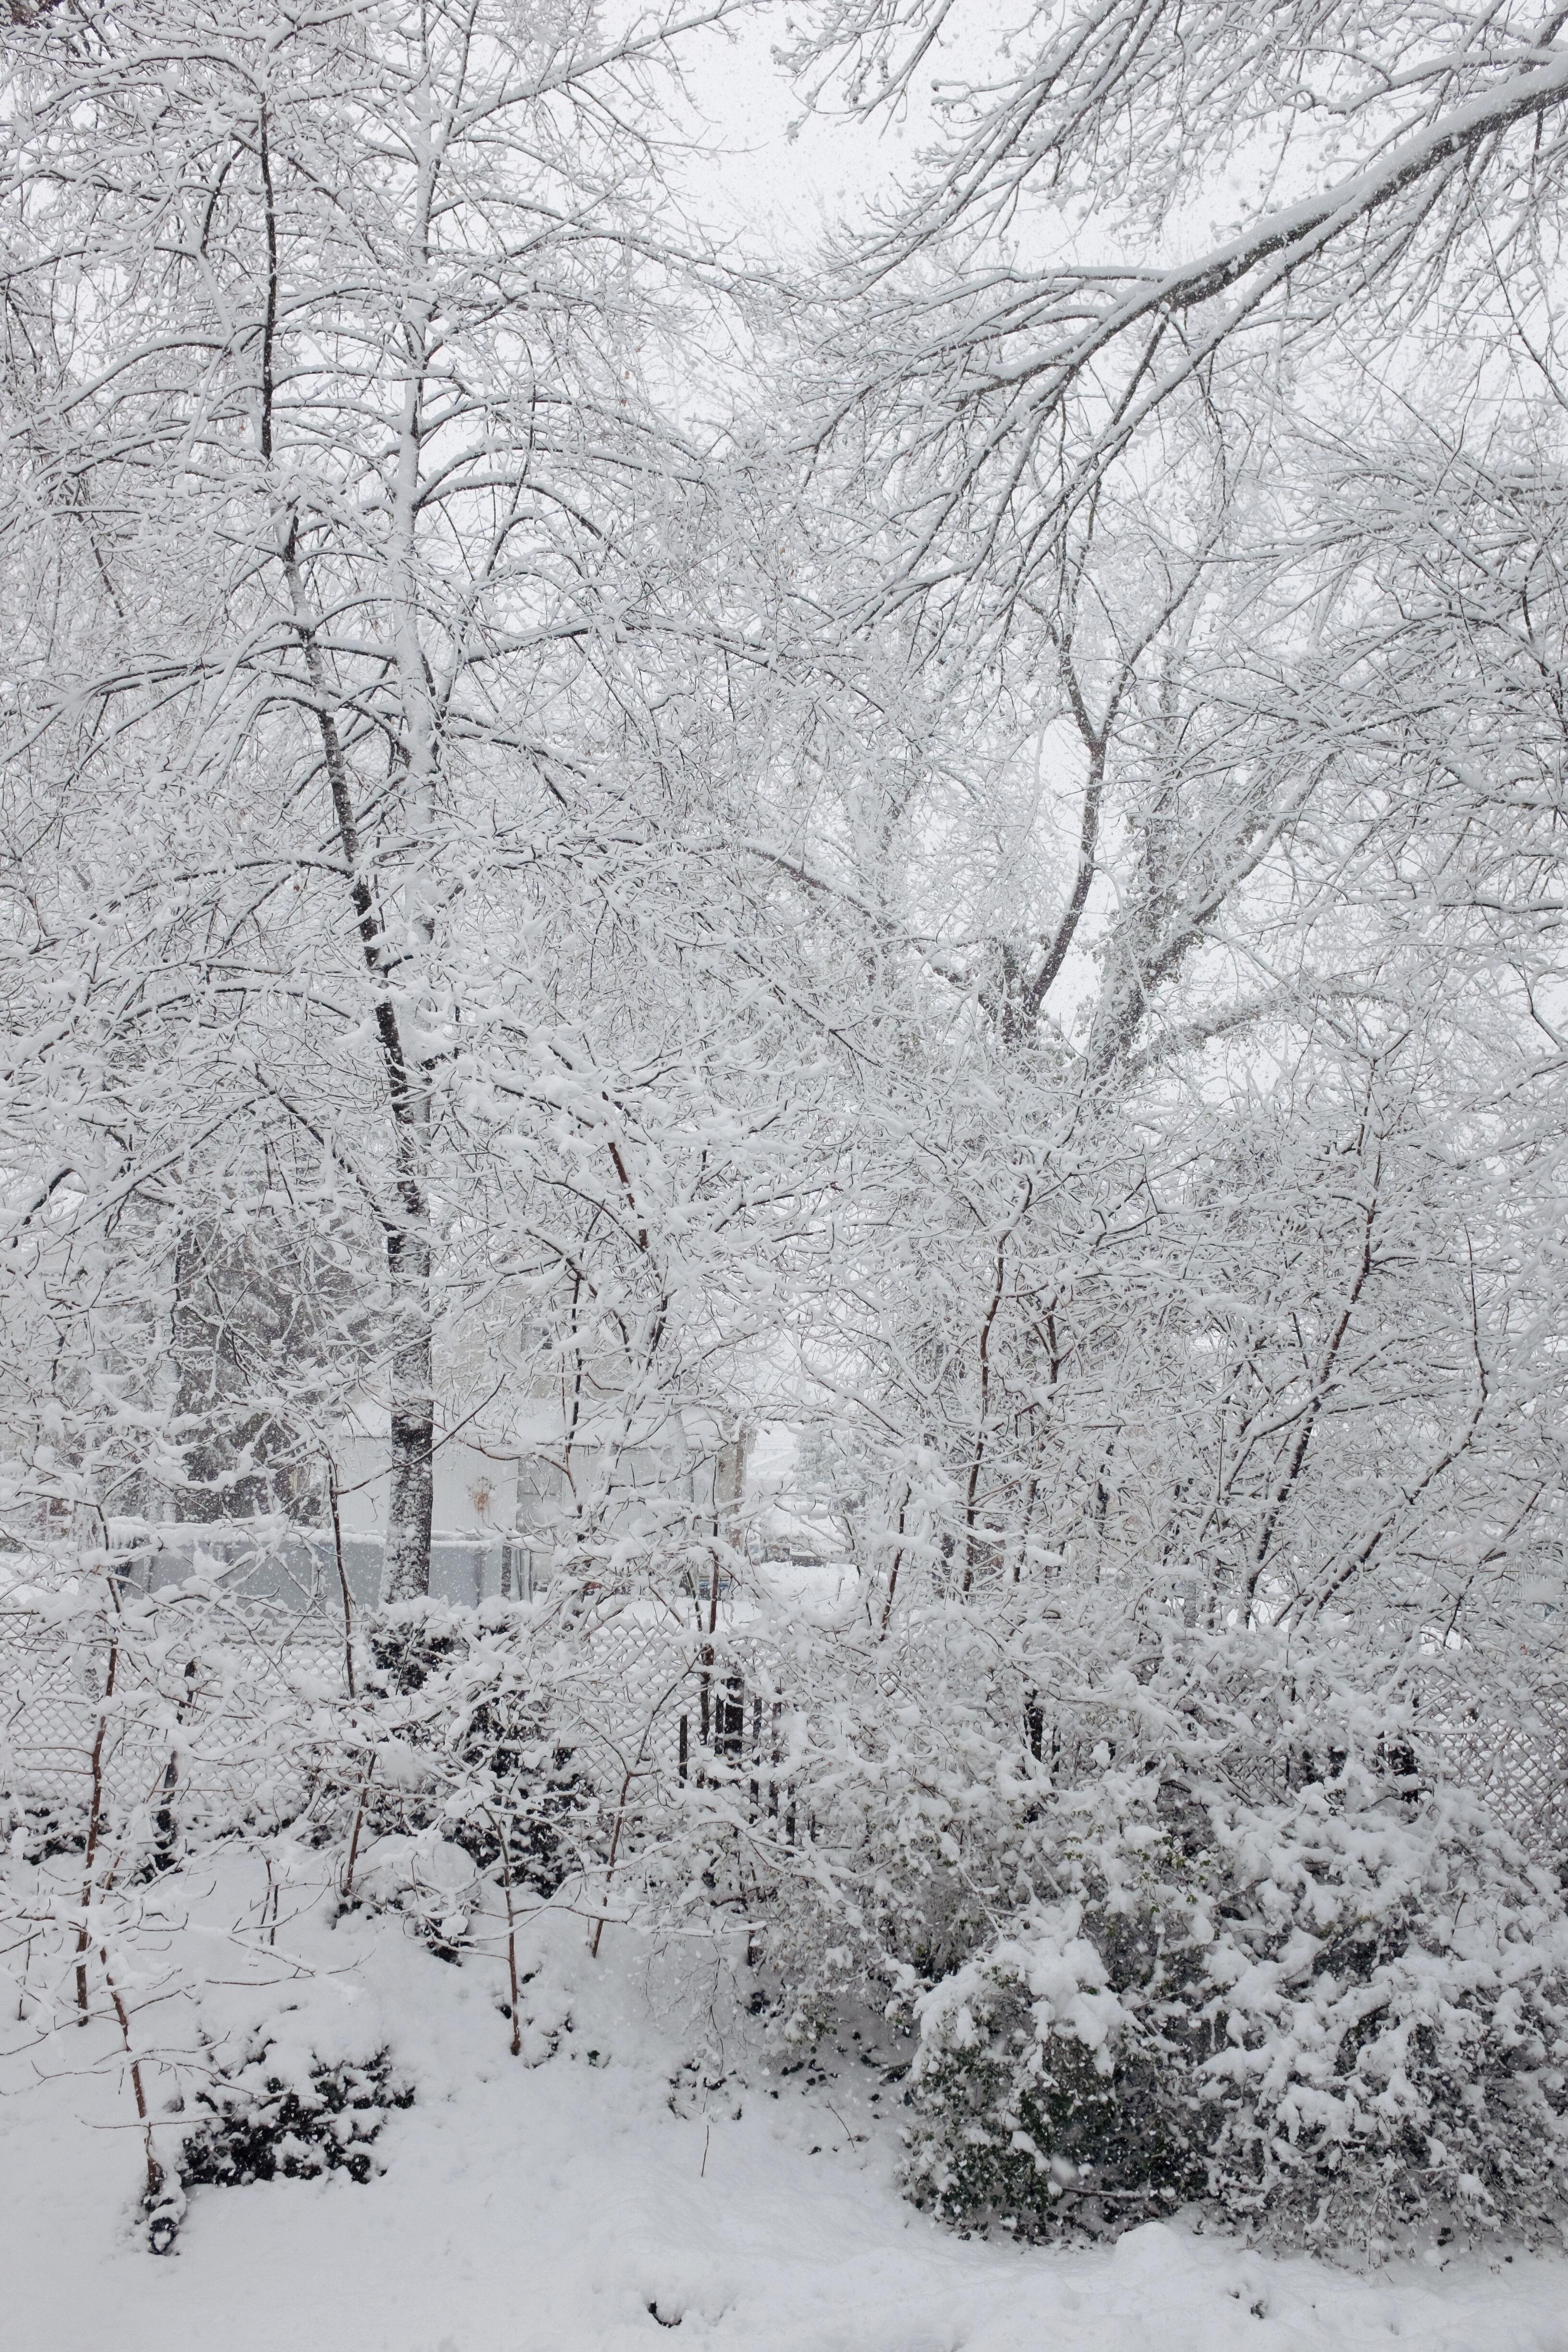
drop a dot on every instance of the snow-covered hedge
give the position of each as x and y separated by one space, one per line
1339 2013
1171 1916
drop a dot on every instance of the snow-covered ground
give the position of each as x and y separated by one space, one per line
572 2203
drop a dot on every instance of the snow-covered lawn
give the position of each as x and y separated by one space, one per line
545 2207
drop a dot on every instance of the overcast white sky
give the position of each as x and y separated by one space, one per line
780 188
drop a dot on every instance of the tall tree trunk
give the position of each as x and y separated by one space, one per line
407 1573
412 1499
411 1502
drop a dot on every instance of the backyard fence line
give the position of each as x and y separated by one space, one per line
650 1708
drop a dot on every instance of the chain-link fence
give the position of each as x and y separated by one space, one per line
204 1718
1520 1765
185 1722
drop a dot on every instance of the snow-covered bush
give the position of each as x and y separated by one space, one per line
262 2118
460 1709
1338 2015
1389 1990
1174 1915
427 1878
1048 2089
